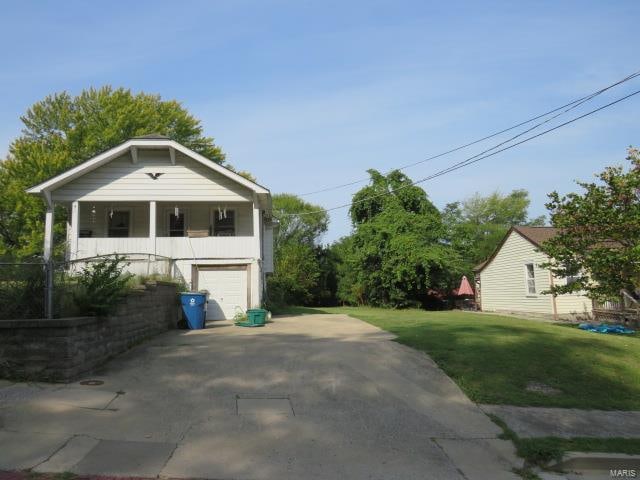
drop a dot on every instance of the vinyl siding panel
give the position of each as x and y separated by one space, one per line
504 288
503 281
572 304
121 179
268 249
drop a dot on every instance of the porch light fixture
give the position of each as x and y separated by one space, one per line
111 211
93 214
176 211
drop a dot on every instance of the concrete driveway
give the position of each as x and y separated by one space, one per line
318 396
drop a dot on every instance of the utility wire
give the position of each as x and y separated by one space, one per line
466 162
568 106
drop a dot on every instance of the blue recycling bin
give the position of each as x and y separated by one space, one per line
194 307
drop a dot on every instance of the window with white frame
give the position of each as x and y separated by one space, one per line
530 276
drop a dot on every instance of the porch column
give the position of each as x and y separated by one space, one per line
256 227
152 224
75 228
47 256
48 233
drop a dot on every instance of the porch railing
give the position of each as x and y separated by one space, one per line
174 247
625 310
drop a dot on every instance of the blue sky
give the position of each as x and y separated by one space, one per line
312 94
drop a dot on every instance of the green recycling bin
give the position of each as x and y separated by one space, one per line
256 316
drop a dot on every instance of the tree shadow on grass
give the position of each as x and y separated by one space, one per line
494 363
494 358
291 311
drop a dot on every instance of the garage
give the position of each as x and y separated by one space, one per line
227 287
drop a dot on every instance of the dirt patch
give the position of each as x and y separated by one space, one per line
542 388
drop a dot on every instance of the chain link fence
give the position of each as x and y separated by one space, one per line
22 290
23 285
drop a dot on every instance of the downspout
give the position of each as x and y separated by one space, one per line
553 298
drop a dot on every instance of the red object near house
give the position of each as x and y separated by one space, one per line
464 288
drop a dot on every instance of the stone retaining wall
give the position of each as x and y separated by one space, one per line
62 349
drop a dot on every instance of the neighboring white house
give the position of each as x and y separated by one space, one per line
511 280
172 211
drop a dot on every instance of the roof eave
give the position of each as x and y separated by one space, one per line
483 265
106 156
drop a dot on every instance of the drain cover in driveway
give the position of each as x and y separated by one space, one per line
92 383
263 405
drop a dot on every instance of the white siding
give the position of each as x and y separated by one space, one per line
122 180
572 304
206 247
93 247
504 288
268 249
503 281
172 247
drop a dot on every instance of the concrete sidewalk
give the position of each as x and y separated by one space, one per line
314 397
567 422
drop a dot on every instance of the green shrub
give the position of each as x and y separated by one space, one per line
101 285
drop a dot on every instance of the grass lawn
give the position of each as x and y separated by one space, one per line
492 357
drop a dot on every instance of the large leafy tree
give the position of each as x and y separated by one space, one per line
396 254
598 244
476 225
298 255
395 188
63 130
299 221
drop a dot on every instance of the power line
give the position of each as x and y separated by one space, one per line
466 162
571 105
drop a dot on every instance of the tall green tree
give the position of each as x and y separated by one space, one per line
63 130
299 257
476 225
299 221
598 244
384 190
396 254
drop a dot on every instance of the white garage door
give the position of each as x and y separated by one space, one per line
227 289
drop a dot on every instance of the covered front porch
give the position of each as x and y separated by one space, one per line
170 229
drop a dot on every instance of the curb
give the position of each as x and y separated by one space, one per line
579 461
